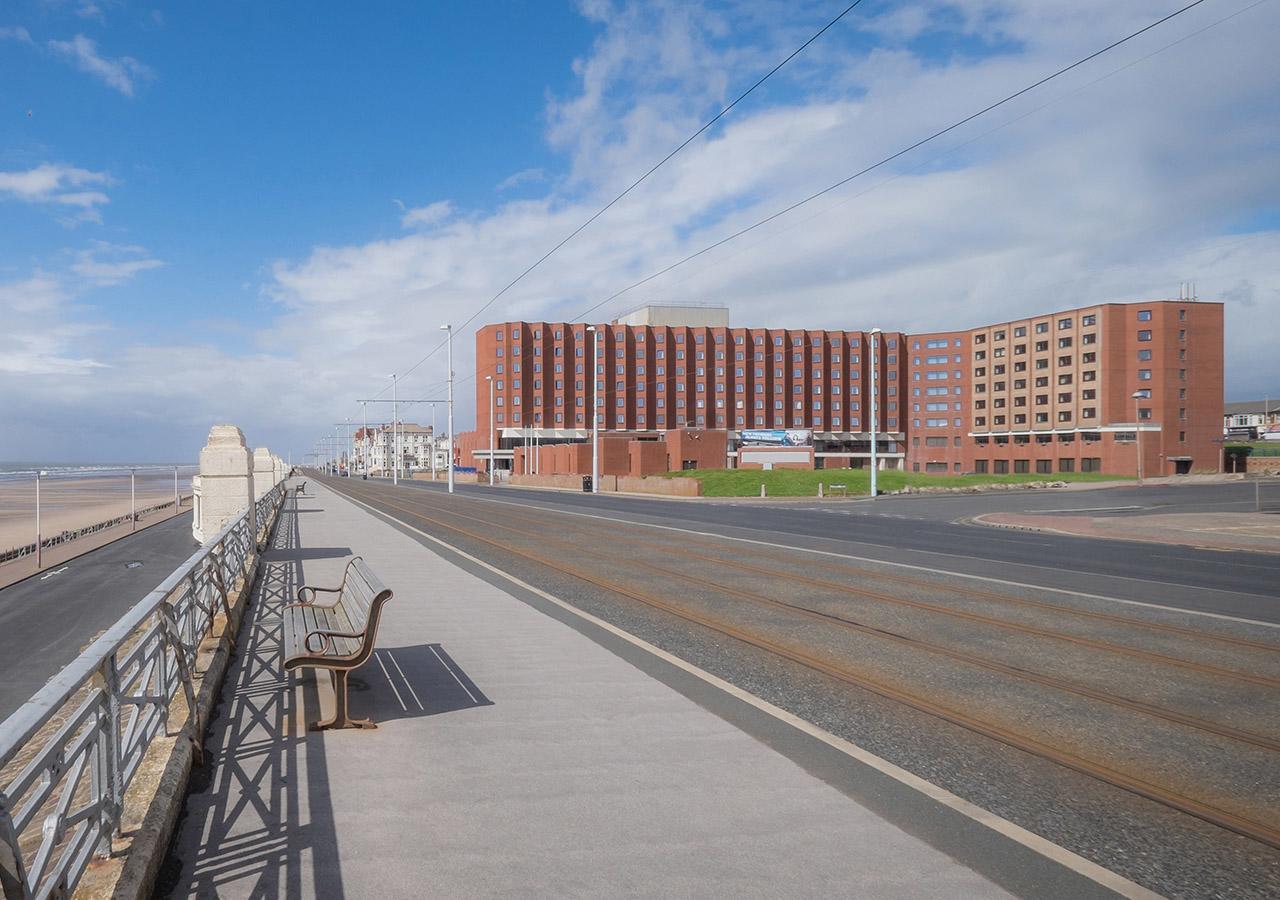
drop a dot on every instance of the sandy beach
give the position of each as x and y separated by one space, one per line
68 503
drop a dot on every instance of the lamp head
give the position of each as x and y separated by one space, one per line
446 328
875 331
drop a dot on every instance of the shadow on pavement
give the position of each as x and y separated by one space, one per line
258 822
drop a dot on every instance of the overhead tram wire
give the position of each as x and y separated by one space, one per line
687 141
952 127
888 159
1094 55
933 160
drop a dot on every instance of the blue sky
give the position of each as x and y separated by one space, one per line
255 212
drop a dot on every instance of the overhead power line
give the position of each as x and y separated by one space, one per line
886 160
598 213
1040 108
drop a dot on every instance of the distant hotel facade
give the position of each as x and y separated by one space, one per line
1046 394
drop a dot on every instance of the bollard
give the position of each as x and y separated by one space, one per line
819 490
762 490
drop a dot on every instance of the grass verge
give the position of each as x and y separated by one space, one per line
804 483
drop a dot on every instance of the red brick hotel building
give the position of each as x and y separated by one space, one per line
1046 394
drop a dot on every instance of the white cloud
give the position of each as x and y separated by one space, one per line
426 216
36 339
524 176
55 183
110 264
16 33
121 73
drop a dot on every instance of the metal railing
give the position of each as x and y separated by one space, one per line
68 754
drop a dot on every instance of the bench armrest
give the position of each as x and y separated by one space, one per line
315 590
328 637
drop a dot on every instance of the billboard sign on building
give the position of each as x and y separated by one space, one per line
777 437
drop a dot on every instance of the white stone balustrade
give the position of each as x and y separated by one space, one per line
226 482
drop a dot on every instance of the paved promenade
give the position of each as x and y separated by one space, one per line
1211 530
516 756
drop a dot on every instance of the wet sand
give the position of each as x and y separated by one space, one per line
67 504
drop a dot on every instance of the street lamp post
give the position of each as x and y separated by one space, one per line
1137 430
489 378
395 443
435 442
875 349
448 330
364 439
595 412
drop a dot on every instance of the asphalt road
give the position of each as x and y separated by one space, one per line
930 531
46 620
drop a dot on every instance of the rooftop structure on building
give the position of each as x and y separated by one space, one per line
688 315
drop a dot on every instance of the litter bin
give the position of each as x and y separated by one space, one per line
586 484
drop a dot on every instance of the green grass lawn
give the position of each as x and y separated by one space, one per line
804 483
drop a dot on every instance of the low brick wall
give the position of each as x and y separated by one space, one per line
626 484
566 482
1263 465
670 487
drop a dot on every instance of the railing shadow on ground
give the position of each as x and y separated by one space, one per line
245 830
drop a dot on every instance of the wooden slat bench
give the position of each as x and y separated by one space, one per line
339 636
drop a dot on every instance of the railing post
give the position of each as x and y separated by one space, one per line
13 875
38 539
111 788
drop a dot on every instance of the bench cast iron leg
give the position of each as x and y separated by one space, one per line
340 718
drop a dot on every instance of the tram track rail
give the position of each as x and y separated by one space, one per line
1265 833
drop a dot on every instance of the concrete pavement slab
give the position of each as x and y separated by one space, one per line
514 756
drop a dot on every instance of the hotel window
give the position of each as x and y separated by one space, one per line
1144 335
1144 374
1088 320
1064 342
1090 338
1064 361
1064 324
1042 327
1144 315
1042 346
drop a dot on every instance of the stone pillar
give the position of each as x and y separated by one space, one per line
263 472
278 463
226 481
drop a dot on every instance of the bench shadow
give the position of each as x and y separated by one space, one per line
258 820
409 682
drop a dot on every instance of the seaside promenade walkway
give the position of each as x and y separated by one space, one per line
519 753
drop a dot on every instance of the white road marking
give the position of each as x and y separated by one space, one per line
948 572
1085 509
1046 848
55 572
